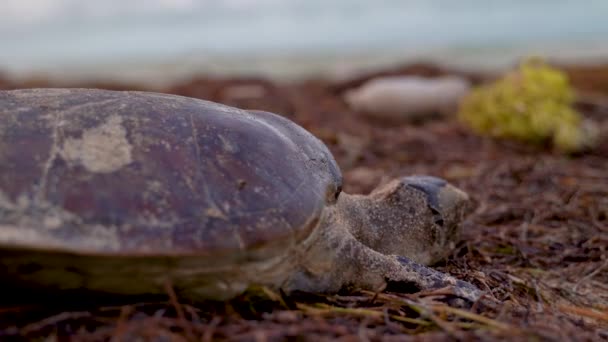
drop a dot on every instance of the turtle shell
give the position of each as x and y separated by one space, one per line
135 173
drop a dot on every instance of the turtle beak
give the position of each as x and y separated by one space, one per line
448 204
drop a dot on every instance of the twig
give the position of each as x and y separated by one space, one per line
585 312
590 275
125 312
327 309
210 329
475 317
180 311
64 316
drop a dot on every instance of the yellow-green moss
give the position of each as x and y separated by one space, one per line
531 104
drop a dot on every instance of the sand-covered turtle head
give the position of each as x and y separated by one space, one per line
418 216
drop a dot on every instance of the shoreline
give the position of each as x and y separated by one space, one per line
158 73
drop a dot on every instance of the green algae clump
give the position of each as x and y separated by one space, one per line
532 104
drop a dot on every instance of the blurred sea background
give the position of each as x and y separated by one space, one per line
166 39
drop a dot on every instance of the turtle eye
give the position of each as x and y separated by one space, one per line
332 194
338 191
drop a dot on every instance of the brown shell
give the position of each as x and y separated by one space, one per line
134 173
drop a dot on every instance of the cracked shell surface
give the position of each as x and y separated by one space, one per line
134 173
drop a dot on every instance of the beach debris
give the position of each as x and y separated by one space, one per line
532 104
408 97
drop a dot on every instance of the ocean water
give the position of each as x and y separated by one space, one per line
237 35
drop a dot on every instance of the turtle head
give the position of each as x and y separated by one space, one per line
418 217
446 203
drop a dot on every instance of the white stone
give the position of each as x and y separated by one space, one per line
408 97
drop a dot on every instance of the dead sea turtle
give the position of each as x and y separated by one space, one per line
124 192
